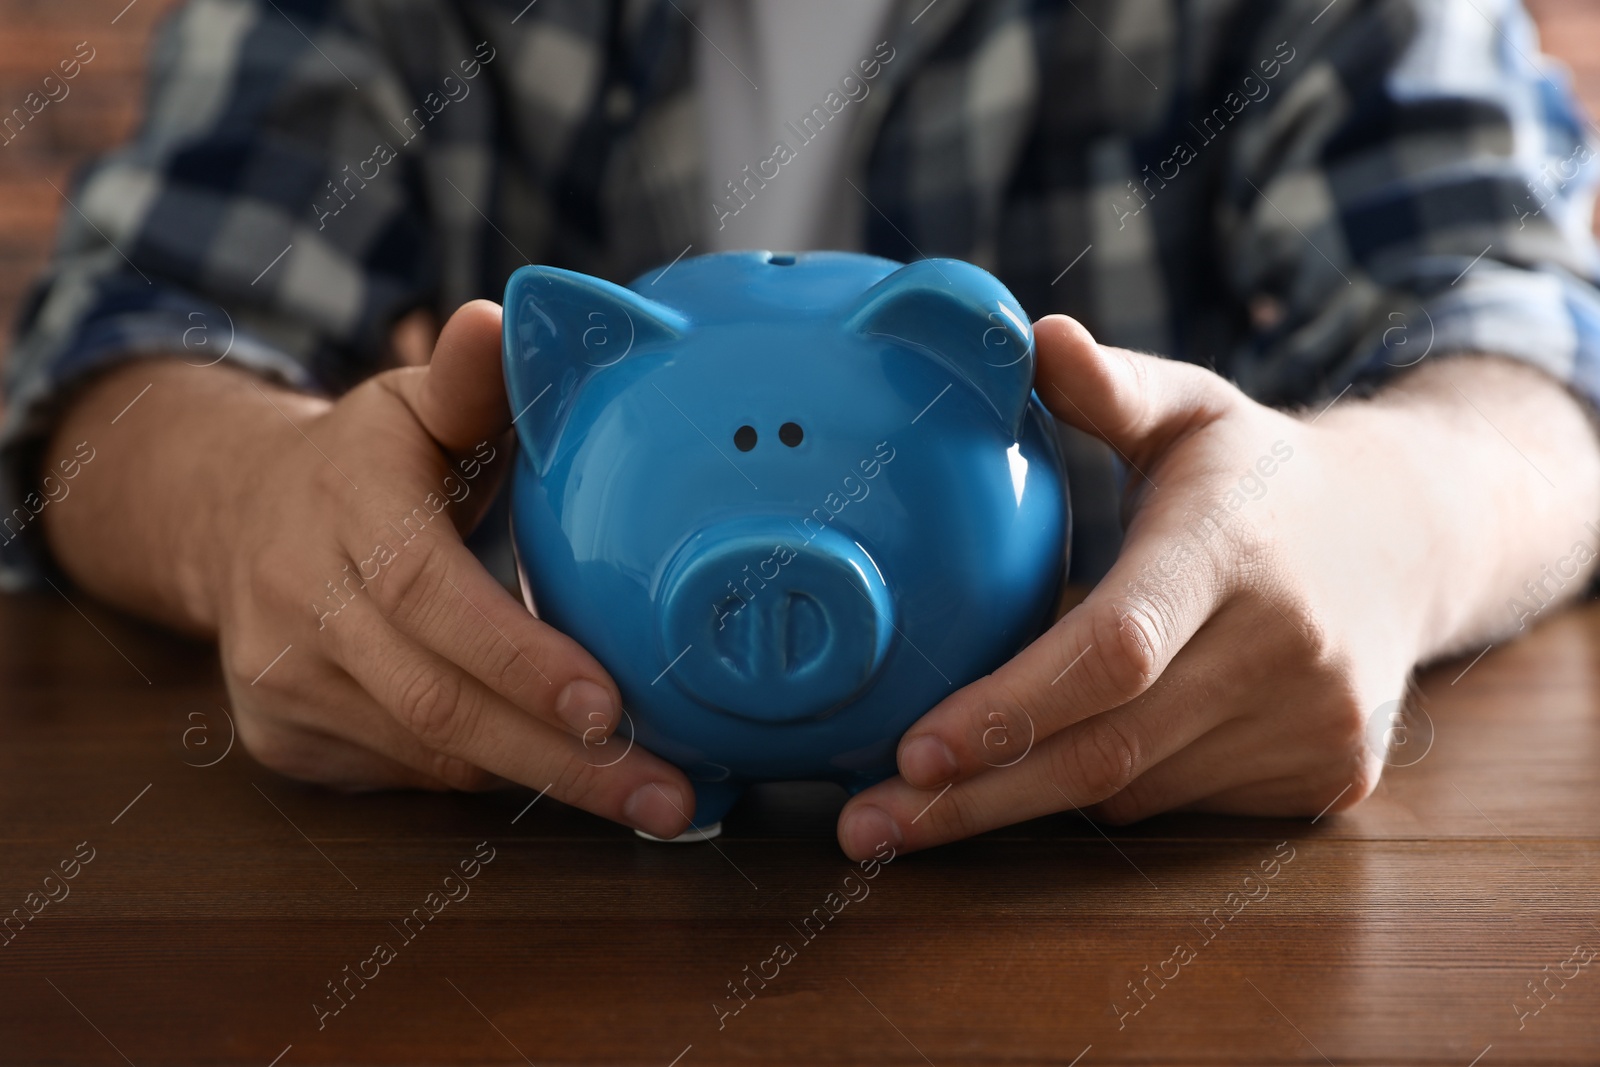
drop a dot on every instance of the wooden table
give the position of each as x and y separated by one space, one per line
222 901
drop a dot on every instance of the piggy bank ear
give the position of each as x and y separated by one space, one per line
963 317
560 329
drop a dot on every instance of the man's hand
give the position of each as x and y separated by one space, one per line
1279 579
362 643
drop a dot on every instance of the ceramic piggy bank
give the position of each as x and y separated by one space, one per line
790 502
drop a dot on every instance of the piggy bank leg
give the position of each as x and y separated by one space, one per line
711 802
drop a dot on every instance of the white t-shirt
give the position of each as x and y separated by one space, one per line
762 68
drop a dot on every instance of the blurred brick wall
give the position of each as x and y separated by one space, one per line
100 108
1570 30
103 103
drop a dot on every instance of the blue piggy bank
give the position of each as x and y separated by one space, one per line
790 502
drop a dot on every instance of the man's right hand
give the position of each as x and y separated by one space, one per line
364 646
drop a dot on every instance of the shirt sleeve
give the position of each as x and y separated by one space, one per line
1423 185
266 213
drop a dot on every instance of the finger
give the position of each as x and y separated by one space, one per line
310 755
461 400
336 708
451 712
435 591
1139 404
1237 770
432 588
1233 756
1285 798
412 338
1085 763
1115 644
1102 654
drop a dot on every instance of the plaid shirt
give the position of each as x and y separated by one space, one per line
1299 194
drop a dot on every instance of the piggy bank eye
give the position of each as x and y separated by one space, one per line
791 434
744 438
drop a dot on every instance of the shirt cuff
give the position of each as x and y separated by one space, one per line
1543 316
128 319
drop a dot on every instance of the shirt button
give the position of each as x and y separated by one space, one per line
1265 313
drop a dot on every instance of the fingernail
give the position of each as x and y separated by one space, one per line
927 762
657 808
585 706
866 829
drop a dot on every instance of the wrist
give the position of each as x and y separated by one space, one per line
1487 470
253 431
1391 528
155 520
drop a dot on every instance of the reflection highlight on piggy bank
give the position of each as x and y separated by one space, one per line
790 502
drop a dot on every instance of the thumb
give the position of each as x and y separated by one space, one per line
461 398
1139 404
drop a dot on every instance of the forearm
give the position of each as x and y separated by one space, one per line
146 523
1500 482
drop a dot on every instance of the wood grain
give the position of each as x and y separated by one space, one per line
220 904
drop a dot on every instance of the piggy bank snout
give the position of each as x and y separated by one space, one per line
769 623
